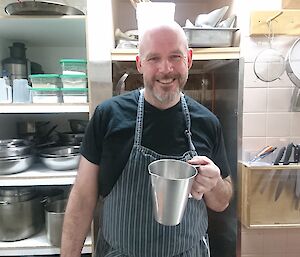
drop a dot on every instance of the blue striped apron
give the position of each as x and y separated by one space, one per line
128 225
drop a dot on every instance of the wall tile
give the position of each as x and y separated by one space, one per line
293 241
278 141
282 82
250 79
255 100
295 124
252 145
254 125
252 242
278 124
279 99
275 242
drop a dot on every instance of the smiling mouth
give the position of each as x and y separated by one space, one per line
166 81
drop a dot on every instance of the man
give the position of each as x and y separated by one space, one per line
128 132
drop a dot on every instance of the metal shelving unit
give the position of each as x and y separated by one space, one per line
49 32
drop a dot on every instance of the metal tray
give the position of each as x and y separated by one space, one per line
209 37
40 8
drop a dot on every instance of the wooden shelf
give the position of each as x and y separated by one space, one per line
38 174
39 243
43 108
286 23
198 54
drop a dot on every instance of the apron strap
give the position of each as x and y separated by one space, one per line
140 116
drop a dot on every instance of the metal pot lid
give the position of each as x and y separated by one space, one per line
40 8
10 195
293 63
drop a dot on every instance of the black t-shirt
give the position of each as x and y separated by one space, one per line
110 134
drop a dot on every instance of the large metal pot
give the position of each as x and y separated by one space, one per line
21 219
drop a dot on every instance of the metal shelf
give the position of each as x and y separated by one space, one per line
44 108
45 30
38 175
38 244
198 54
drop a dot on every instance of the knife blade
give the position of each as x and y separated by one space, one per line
284 175
289 149
266 180
297 189
279 155
263 152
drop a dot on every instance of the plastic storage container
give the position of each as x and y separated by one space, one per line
45 80
46 95
5 92
73 66
75 95
21 91
74 81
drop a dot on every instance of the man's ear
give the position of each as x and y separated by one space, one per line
138 64
190 57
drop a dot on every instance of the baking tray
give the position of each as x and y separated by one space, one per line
209 37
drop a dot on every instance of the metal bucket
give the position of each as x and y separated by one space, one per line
171 182
54 214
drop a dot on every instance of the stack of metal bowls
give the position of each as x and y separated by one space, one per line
15 156
61 157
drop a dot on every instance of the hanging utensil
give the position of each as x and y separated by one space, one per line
293 71
269 64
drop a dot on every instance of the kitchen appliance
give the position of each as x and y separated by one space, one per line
16 64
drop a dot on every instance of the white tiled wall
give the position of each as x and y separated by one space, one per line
267 120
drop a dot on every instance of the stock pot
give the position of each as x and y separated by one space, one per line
21 214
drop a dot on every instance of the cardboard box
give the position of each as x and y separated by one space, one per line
290 4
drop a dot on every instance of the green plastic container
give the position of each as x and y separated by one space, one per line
73 66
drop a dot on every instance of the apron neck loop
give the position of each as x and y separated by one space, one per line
140 117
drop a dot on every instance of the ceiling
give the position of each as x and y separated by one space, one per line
79 4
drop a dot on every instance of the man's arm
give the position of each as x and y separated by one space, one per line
209 184
80 209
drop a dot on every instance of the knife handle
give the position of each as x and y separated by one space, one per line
296 153
288 153
279 155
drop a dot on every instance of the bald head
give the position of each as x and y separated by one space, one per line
164 29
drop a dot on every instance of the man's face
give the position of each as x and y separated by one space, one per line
164 62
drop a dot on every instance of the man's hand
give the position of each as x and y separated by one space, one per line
207 178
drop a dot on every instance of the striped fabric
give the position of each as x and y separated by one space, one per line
128 226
